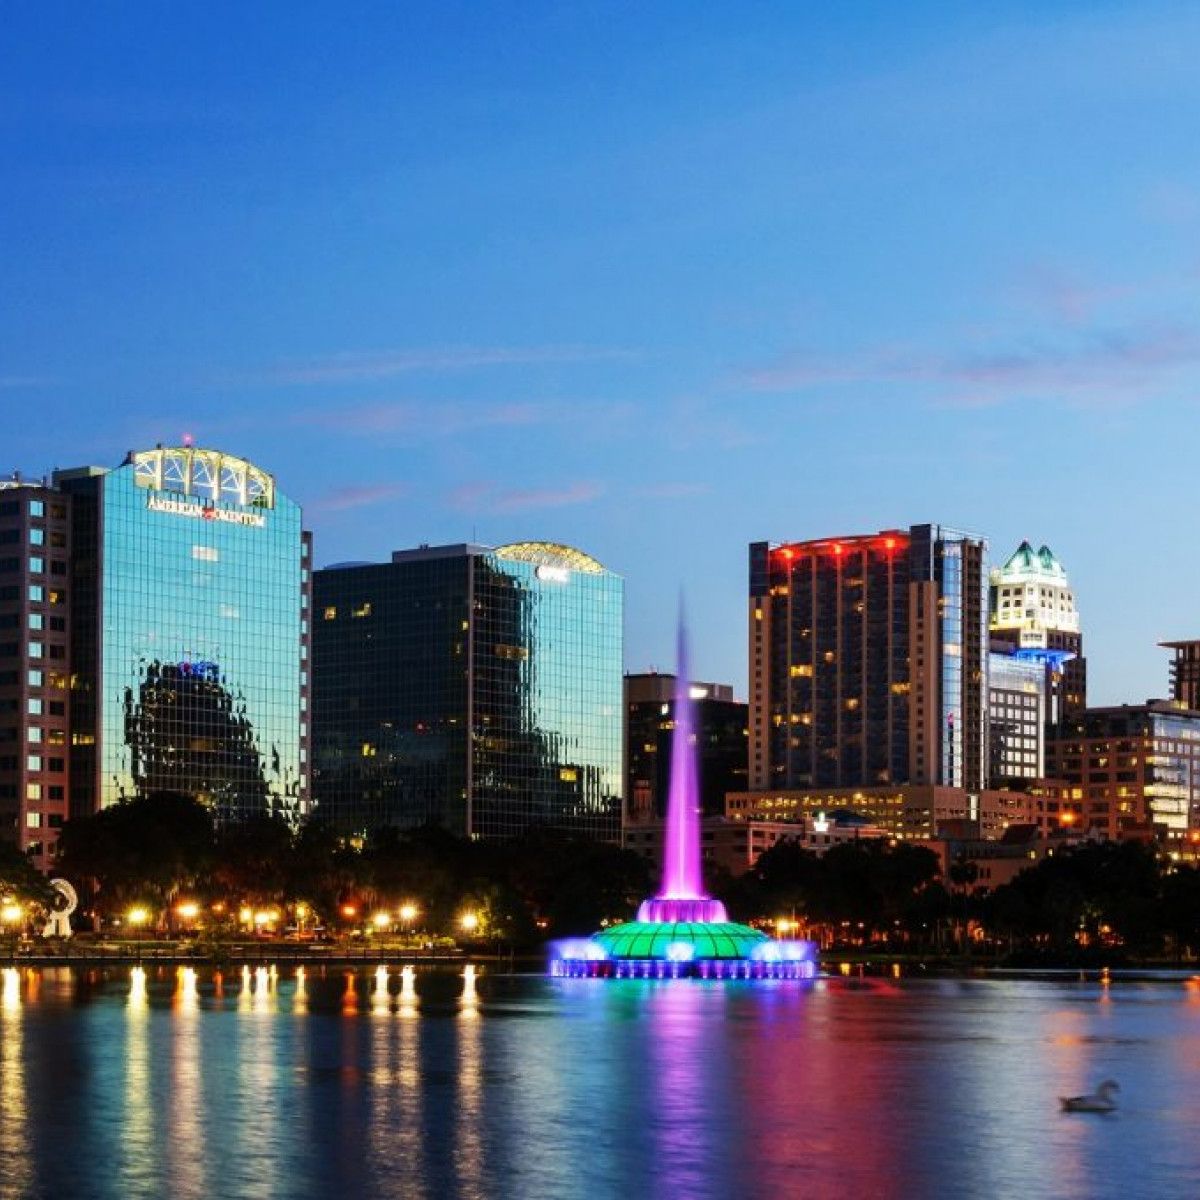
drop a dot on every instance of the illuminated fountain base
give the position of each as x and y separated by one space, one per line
683 949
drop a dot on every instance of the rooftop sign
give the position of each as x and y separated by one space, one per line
200 512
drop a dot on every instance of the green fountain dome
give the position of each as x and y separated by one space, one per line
666 940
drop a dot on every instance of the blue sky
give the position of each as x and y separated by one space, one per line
655 280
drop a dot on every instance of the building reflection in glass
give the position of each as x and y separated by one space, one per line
189 595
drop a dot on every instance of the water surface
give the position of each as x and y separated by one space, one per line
435 1083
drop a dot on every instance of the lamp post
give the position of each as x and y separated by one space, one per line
11 916
137 917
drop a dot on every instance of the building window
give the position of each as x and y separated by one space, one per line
37 593
33 820
37 508
37 565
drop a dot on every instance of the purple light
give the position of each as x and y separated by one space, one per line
681 878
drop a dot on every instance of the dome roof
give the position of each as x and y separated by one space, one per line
1027 563
660 940
550 554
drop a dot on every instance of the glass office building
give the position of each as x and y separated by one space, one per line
476 688
189 586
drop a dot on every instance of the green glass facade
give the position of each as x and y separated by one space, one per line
190 635
473 687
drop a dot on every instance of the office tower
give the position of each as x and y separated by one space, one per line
1136 765
1033 615
1016 718
35 549
473 687
189 634
721 744
868 661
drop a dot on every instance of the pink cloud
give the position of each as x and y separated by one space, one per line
476 496
361 496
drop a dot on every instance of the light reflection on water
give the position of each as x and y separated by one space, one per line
459 1083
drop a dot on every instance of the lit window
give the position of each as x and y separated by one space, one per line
34 733
35 649
35 620
37 537
331 613
33 791
363 610
205 553
37 593
33 820
37 508
37 565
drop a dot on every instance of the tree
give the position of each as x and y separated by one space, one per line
149 849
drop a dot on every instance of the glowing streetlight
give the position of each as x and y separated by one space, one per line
783 925
349 911
469 922
408 913
245 915
11 912
189 910
381 920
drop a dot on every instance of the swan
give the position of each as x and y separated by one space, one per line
1100 1101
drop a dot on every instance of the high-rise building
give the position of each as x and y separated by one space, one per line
153 637
721 744
1034 616
35 630
189 593
868 661
473 687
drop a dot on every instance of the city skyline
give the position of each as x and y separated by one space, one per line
476 278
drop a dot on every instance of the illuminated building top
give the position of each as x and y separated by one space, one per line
1031 593
550 554
207 475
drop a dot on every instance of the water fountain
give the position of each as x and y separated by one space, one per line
683 931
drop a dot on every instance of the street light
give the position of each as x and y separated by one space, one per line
11 912
783 925
408 913
189 910
137 917
381 920
469 922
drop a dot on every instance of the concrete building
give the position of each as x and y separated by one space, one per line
868 662
1136 767
1185 673
1033 615
35 671
1016 718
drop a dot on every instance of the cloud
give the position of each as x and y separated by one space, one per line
672 491
359 367
417 419
473 497
1099 366
360 496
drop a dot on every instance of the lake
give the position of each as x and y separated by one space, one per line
452 1083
